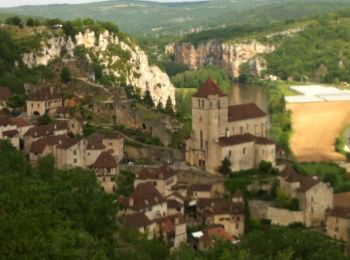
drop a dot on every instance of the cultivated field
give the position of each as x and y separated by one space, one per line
315 128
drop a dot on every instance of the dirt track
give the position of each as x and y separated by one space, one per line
315 128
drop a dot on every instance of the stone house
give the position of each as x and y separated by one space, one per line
140 222
162 178
69 153
35 133
205 191
106 169
338 219
315 197
228 213
147 199
175 207
5 93
98 143
220 131
9 131
43 101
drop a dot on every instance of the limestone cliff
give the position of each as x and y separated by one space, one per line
228 56
120 58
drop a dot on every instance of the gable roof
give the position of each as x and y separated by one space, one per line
5 93
67 143
44 94
291 176
46 130
38 146
104 160
236 139
341 212
208 88
162 173
20 122
144 195
244 112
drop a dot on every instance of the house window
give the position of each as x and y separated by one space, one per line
219 106
75 160
110 143
32 105
201 138
202 103
244 150
242 130
230 153
38 105
199 103
336 229
236 225
75 152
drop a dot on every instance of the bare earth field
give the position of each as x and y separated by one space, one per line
315 128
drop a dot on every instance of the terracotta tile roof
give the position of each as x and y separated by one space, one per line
38 146
244 112
264 141
236 139
341 212
144 195
5 93
44 94
162 173
341 199
209 88
5 121
3 114
104 160
215 231
220 206
136 220
21 122
181 219
46 130
67 143
10 133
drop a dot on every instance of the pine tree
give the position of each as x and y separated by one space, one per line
148 100
169 108
225 168
160 106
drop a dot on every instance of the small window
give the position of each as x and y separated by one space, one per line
75 152
244 150
230 153
202 103
75 160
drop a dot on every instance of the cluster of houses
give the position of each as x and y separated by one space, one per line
162 206
61 138
157 206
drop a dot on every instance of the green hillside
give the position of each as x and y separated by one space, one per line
141 18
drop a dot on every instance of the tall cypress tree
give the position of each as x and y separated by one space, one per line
148 100
169 108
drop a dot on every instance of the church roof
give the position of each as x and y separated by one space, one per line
209 88
236 139
244 112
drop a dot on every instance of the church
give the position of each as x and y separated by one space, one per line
220 131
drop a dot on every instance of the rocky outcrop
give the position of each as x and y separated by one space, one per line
228 56
120 58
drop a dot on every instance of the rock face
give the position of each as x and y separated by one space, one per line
119 58
225 55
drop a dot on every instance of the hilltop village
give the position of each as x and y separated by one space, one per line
173 192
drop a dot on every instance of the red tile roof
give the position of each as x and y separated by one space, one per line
104 160
38 146
209 88
5 93
5 121
67 143
44 94
174 204
244 112
341 212
215 231
291 176
162 173
341 199
20 122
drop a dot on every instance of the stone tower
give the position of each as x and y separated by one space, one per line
209 115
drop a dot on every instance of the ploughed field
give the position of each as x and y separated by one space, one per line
315 128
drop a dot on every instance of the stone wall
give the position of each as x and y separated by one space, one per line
284 217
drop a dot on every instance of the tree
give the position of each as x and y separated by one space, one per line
282 199
148 100
294 204
125 183
225 168
160 106
44 120
15 101
265 167
30 22
331 179
169 107
15 20
65 75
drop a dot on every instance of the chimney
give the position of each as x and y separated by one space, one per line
131 202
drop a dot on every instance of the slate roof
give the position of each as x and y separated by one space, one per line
162 173
244 112
104 160
209 88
